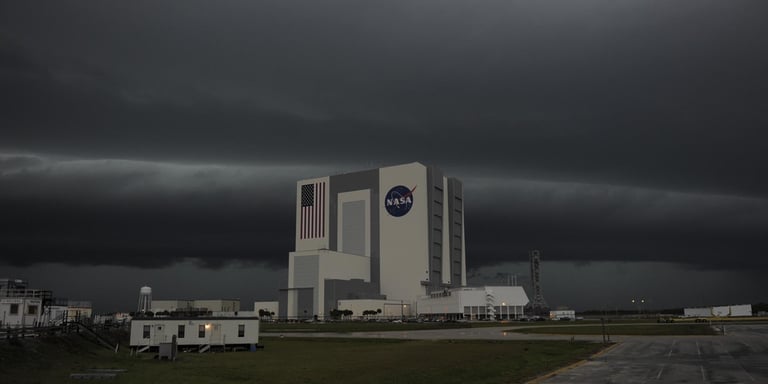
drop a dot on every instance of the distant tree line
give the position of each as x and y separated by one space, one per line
265 313
371 312
341 313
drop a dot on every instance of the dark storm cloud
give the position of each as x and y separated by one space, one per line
583 222
596 130
117 212
638 93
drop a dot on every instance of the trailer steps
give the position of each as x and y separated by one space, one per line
204 348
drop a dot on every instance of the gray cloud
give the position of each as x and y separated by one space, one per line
118 212
583 222
161 132
154 214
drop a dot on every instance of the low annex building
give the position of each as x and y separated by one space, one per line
475 303
377 309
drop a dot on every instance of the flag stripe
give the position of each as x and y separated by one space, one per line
312 217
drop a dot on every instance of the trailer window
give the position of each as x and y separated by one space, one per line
201 330
14 309
241 330
32 310
146 332
181 331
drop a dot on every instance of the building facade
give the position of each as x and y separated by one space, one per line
475 303
393 233
21 306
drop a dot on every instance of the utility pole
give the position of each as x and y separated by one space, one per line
602 321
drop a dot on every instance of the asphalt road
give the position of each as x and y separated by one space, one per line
739 356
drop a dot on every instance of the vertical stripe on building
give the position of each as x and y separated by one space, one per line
312 223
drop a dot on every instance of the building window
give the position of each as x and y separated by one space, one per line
32 310
181 331
201 330
14 309
146 332
241 330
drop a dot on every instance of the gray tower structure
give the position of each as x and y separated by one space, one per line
537 306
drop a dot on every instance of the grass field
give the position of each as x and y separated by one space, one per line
299 360
623 329
346 327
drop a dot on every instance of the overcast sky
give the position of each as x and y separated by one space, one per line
162 140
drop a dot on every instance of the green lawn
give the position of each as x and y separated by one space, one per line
300 360
628 329
360 326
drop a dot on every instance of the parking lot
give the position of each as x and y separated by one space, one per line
739 356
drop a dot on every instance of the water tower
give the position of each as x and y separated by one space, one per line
145 299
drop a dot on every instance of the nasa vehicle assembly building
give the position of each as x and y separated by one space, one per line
389 234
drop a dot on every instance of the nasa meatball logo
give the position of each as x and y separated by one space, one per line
399 200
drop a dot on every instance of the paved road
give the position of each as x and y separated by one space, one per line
740 356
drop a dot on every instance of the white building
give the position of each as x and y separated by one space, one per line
475 303
394 233
115 318
195 331
21 306
217 305
385 309
562 314
719 311
18 312
78 310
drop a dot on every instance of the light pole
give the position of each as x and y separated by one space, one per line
639 303
503 308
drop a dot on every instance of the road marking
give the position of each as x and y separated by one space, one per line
703 376
671 348
658 377
698 349
737 360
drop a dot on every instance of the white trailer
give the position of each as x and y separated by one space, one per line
562 314
720 311
195 331
697 312
741 310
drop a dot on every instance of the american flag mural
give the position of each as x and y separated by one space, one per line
312 223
